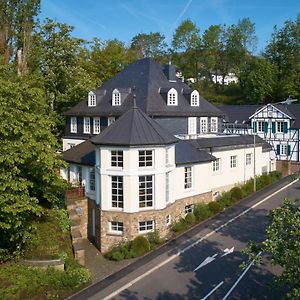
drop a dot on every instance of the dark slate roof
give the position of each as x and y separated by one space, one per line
186 153
148 78
227 142
238 113
134 128
83 154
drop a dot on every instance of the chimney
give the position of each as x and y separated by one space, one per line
170 72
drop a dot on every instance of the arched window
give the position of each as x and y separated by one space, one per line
172 97
195 98
92 99
116 98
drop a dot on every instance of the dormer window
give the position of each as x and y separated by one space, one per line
195 98
172 97
92 99
116 98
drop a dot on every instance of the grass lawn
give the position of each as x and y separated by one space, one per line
50 239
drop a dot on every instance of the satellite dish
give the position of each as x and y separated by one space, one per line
288 101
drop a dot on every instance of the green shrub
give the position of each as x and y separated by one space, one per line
236 193
190 218
140 245
226 199
202 212
153 238
215 207
180 225
63 219
120 252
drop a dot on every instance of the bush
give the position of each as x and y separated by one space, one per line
181 225
140 245
190 218
236 193
153 238
215 207
120 252
226 199
202 212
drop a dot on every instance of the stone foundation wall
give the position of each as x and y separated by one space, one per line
104 240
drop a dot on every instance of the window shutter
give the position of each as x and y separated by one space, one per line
273 127
288 150
254 126
266 127
285 127
278 150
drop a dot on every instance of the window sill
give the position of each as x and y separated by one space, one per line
115 233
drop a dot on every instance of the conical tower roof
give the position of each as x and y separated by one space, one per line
134 128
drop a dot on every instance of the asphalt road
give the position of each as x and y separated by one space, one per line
204 263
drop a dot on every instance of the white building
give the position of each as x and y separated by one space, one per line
139 177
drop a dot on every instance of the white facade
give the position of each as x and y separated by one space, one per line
233 167
229 78
69 143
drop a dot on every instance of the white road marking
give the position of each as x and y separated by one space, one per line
240 278
213 290
227 251
124 287
206 261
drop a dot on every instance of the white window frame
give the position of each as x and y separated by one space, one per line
117 158
203 125
172 97
195 98
189 208
144 158
86 125
92 181
260 126
233 161
188 177
167 187
216 165
97 125
92 99
146 226
280 126
146 191
192 125
73 125
116 227
248 159
283 149
213 124
116 98
117 192
168 220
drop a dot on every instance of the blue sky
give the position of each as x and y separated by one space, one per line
123 19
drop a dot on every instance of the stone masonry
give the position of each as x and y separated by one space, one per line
104 240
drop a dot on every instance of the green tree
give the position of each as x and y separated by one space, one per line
284 52
283 244
260 81
28 163
108 58
186 45
17 19
56 57
150 45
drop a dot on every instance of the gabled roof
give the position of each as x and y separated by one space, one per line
147 78
283 108
134 128
186 153
229 142
82 154
238 113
